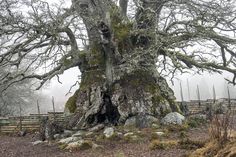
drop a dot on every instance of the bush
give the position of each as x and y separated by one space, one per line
220 127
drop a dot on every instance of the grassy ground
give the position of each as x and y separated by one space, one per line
191 139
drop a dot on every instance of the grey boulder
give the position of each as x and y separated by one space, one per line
173 118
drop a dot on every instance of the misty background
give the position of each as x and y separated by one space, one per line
204 81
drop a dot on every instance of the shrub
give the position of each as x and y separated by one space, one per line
220 127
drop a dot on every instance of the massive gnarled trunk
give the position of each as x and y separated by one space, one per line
119 75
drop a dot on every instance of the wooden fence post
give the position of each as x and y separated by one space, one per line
38 110
20 118
181 93
53 106
229 101
198 96
214 94
189 98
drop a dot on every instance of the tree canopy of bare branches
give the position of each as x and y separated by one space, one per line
185 35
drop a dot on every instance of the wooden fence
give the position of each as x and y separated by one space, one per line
29 123
32 121
196 107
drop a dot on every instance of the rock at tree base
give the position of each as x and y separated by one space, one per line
159 133
37 142
97 128
78 134
81 145
173 118
69 140
109 132
67 133
141 121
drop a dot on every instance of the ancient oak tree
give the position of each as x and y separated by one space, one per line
124 50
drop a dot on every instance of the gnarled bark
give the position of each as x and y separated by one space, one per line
120 79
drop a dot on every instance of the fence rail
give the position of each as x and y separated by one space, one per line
194 107
30 123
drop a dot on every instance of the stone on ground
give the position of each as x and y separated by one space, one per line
37 142
109 132
67 133
97 128
173 118
159 133
78 134
140 121
80 144
57 136
69 140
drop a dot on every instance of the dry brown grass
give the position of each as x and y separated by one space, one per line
187 143
221 127
228 151
214 148
223 141
167 144
209 150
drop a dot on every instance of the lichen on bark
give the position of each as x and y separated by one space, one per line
120 79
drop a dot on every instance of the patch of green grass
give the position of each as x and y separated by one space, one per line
195 122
